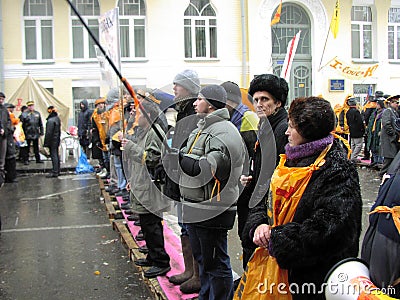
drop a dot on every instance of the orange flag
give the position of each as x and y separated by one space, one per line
277 16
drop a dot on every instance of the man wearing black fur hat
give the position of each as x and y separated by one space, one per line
211 163
270 95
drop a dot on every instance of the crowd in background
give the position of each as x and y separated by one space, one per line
210 157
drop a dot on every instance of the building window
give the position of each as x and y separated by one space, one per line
361 32
132 28
82 43
38 30
89 93
200 29
394 34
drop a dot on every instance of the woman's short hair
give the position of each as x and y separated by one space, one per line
313 117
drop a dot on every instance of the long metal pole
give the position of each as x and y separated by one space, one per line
123 79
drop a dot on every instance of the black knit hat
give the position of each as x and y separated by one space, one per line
2 95
272 84
8 105
313 117
381 103
215 95
232 91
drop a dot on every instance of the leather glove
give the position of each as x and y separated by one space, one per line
170 161
159 174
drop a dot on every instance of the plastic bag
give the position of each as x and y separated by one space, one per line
19 135
83 164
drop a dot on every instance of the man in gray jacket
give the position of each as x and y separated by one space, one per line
389 136
5 130
212 163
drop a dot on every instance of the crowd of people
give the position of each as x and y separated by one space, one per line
372 129
288 175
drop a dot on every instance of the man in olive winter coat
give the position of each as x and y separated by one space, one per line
212 163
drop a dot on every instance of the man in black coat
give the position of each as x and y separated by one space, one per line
84 125
356 128
52 139
270 93
33 129
5 130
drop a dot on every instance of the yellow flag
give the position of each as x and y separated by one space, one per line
335 19
277 16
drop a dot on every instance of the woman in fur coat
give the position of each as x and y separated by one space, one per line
326 224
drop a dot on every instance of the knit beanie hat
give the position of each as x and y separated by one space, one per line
189 80
272 84
113 95
313 117
351 102
2 95
232 91
379 94
381 102
215 95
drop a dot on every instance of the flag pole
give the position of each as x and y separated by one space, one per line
323 51
123 79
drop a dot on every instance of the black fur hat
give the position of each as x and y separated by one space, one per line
272 84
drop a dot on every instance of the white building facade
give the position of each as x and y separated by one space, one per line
220 39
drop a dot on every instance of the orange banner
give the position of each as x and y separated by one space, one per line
351 71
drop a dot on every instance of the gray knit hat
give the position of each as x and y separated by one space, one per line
215 95
113 95
232 91
189 80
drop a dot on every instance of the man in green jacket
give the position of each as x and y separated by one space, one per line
212 163
141 154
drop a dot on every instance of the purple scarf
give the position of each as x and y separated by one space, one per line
307 149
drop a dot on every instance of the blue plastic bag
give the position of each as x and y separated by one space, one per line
83 165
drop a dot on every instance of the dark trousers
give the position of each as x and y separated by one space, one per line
11 169
3 152
55 159
154 236
24 151
386 164
366 149
210 249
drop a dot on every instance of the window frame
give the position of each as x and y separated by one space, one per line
86 38
131 27
39 40
361 32
207 28
396 36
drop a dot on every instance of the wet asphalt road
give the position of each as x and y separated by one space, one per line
56 235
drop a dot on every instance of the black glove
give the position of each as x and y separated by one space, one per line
159 174
170 161
195 167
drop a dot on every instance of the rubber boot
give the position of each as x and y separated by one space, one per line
188 261
193 284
